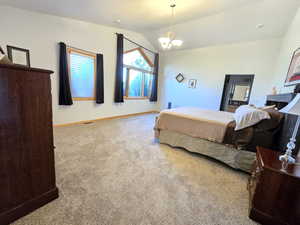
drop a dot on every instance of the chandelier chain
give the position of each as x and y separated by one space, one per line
168 41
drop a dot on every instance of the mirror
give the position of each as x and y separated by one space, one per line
241 93
236 92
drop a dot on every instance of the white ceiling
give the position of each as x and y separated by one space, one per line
199 22
235 25
134 14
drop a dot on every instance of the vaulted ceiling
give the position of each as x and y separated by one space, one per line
198 22
264 19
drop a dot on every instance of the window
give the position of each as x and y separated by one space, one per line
82 70
137 74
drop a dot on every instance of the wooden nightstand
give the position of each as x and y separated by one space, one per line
274 194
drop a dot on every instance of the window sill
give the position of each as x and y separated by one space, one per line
136 98
84 99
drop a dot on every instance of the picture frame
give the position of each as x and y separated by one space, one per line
192 83
293 75
179 78
19 56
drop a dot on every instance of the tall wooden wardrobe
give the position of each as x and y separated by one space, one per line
27 173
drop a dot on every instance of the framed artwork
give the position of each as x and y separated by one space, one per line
192 83
18 56
179 78
293 76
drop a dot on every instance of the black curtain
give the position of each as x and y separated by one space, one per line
119 70
153 97
100 80
65 97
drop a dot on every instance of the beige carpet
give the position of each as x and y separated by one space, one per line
113 173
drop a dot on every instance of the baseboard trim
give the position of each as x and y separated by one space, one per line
23 209
104 118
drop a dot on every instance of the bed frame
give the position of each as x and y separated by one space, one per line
235 158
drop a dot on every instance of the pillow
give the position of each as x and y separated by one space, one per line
247 116
274 122
267 107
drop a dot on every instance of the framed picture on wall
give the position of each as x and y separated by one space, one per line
192 83
179 78
18 55
293 76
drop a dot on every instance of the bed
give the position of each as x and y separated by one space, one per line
212 133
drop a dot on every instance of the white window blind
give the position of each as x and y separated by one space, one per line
82 77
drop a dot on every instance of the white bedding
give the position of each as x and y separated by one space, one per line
195 122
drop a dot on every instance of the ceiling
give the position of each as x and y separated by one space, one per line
238 24
198 22
137 15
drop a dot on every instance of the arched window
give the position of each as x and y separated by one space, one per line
137 74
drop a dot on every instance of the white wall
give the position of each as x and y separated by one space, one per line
41 33
290 43
210 65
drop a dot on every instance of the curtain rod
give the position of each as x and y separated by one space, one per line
138 44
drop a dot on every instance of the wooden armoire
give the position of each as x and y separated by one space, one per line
27 172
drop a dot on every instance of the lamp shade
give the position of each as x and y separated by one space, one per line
293 107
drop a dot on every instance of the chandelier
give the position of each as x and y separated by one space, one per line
169 40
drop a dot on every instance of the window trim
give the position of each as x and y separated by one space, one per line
129 67
136 98
143 54
83 53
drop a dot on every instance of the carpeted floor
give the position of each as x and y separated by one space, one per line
112 172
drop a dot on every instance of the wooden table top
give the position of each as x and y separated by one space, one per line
270 160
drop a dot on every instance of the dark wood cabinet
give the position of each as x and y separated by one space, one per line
27 173
274 194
